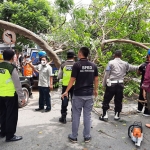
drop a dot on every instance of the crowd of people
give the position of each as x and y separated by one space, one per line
79 84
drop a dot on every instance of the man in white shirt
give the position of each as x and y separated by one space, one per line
45 83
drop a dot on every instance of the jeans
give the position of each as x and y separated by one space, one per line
80 103
44 97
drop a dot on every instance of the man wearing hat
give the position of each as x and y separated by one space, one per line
65 74
113 81
10 90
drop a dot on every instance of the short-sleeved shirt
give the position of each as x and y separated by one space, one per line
44 75
84 71
142 69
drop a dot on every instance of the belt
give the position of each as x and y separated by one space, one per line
117 81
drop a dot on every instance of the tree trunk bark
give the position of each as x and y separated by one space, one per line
125 41
32 36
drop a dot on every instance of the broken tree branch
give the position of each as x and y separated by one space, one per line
126 41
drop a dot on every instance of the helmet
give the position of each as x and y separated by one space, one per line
42 53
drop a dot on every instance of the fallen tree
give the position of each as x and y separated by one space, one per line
32 36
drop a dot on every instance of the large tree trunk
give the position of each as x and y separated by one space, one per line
32 36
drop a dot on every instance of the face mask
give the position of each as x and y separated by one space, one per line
43 62
28 59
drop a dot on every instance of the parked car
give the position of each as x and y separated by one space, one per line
27 89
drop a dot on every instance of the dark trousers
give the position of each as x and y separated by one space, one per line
9 115
0 120
64 104
148 101
44 97
31 80
140 105
114 90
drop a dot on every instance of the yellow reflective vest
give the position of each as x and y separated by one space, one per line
66 74
7 87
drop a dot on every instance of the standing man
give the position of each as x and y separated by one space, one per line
141 71
113 81
45 83
146 86
65 74
84 75
10 90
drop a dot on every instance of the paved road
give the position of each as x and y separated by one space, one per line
42 131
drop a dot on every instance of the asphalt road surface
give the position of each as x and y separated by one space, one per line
42 131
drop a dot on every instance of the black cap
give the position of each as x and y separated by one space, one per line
118 53
70 54
8 54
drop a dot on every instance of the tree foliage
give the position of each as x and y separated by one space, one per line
64 5
106 26
36 15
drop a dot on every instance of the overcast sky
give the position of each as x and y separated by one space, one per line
78 1
82 1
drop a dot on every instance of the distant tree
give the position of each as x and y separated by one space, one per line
64 5
36 15
108 25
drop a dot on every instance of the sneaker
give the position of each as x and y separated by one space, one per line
87 140
103 118
138 111
146 115
71 139
116 116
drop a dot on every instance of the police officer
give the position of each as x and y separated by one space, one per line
64 73
10 90
113 81
84 74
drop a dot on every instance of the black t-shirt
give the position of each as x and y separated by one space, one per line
84 71
142 69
